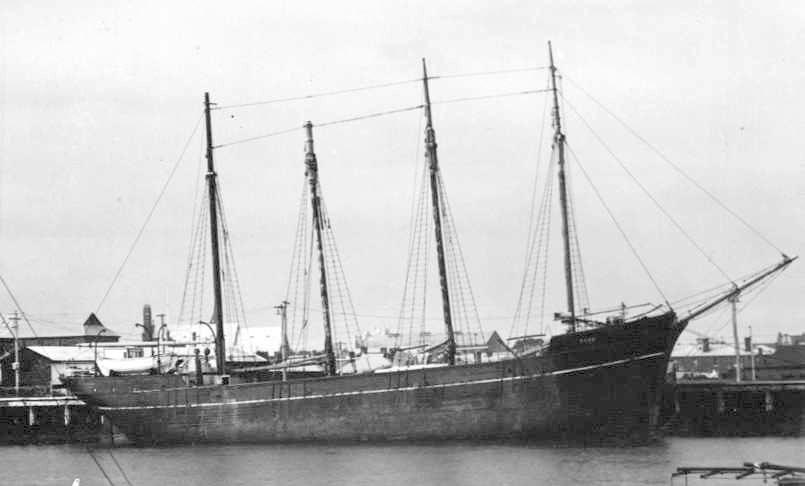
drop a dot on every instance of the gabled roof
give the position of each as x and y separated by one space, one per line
93 326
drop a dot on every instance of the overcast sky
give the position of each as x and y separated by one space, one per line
98 98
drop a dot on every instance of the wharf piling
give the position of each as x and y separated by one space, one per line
729 408
47 419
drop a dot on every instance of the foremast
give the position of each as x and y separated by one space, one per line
559 148
218 311
433 164
312 172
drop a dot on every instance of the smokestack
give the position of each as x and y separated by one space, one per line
148 324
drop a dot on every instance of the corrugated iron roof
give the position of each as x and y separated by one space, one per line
65 353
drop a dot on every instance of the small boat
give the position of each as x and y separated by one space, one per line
164 363
783 475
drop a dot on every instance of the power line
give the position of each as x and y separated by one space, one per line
150 214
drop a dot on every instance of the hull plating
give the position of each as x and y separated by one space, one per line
600 382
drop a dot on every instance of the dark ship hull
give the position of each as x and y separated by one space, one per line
603 382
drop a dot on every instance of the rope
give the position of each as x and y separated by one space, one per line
318 95
617 225
103 471
370 115
413 220
17 304
122 472
679 170
148 217
487 97
258 137
374 86
648 193
487 73
325 124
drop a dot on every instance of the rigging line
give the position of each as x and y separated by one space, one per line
318 95
487 97
414 207
679 170
258 137
122 472
757 292
14 299
150 214
647 192
617 225
103 471
720 289
370 115
325 124
486 73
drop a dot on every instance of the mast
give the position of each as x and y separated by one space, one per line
430 145
559 146
312 173
220 348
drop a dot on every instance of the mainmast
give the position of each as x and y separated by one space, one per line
220 347
430 145
312 173
559 147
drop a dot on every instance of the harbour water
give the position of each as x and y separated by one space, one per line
466 464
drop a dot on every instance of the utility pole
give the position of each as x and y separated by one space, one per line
282 310
15 318
159 342
734 304
752 354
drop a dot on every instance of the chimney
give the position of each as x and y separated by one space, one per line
148 324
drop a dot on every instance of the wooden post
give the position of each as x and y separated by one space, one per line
312 171
734 303
559 146
433 160
220 346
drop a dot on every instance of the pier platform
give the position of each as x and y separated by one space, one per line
27 419
729 408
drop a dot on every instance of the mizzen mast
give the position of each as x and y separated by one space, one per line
433 160
312 172
559 147
218 312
